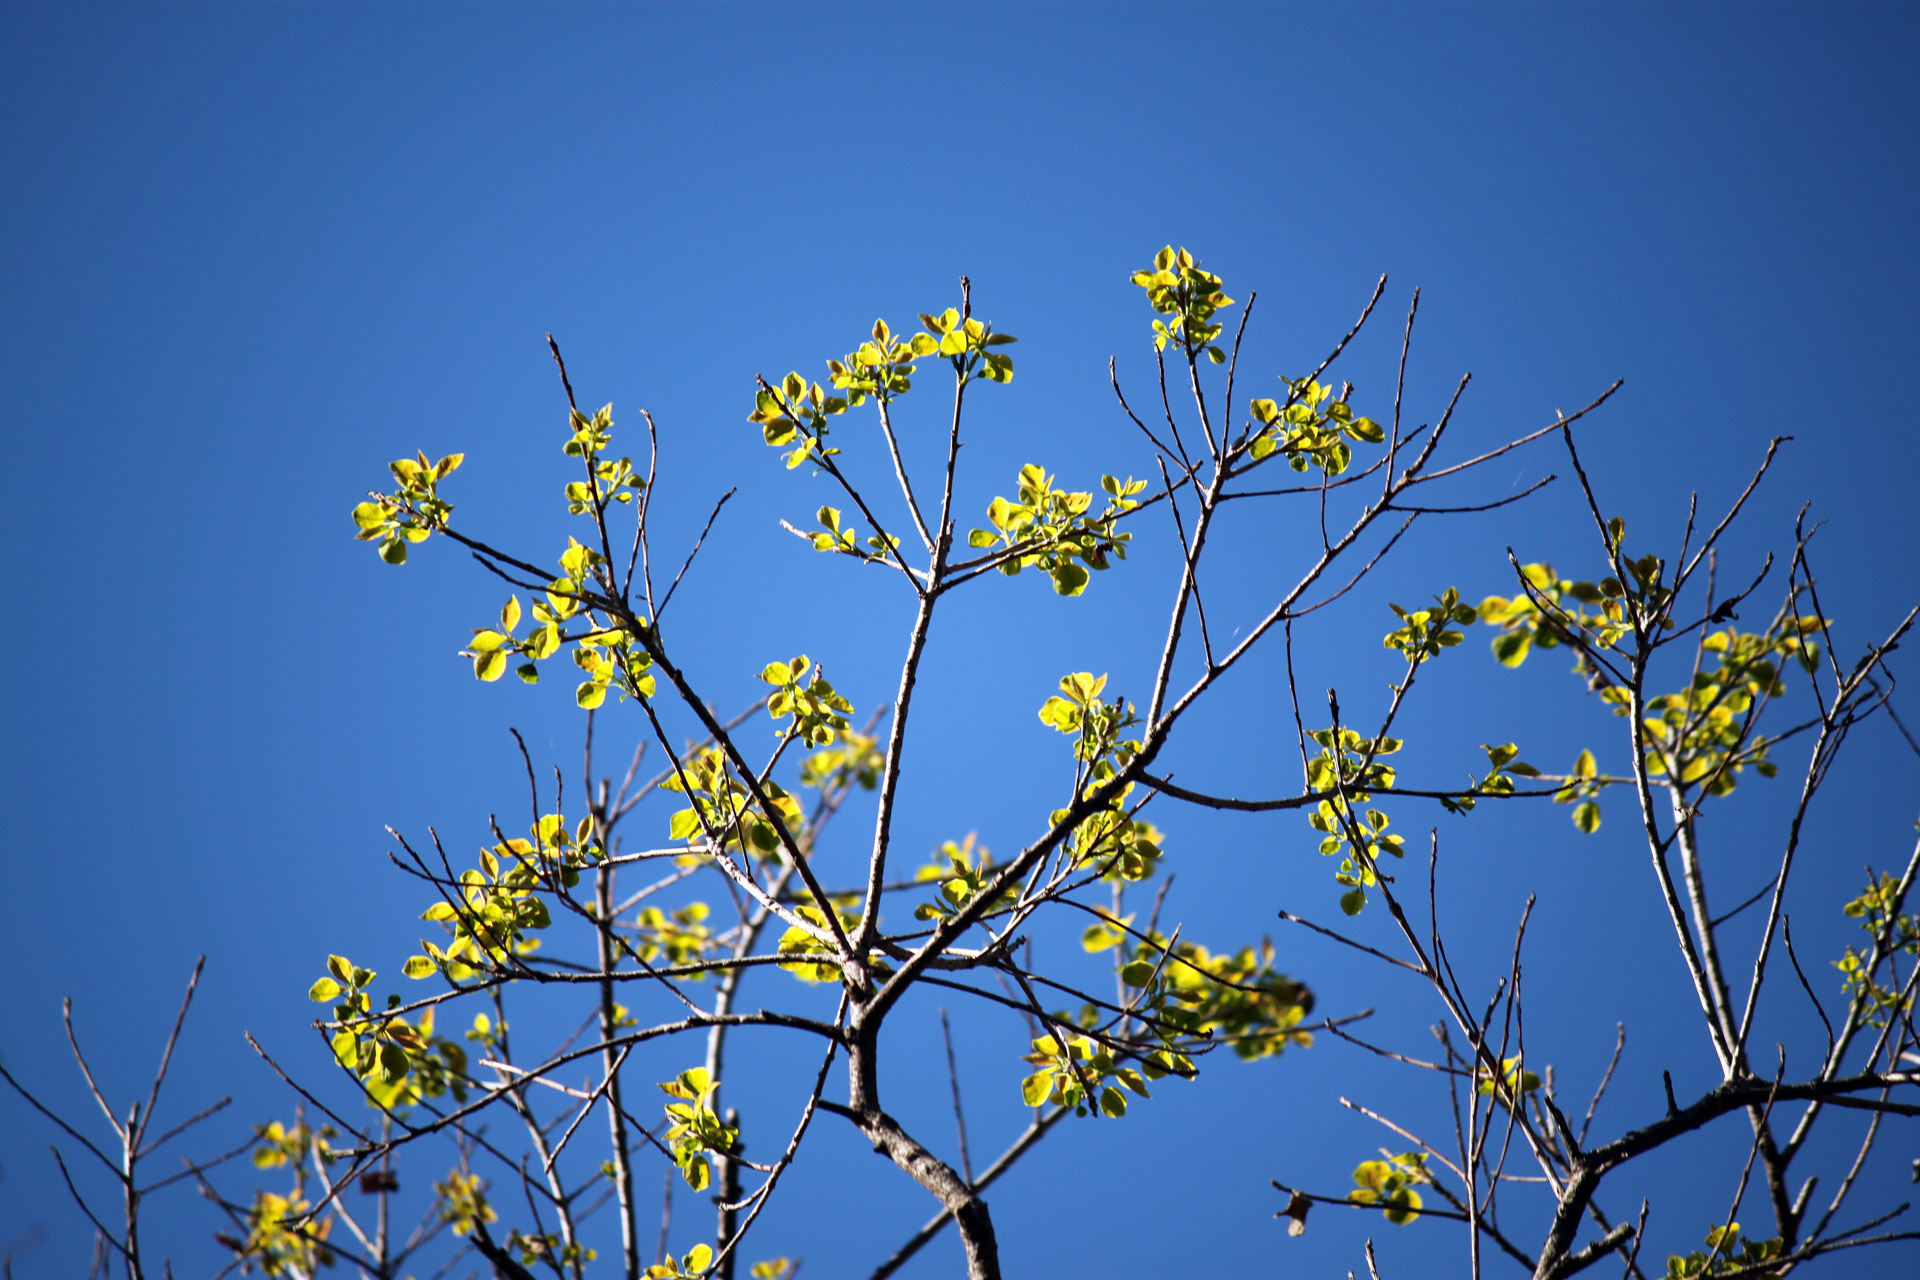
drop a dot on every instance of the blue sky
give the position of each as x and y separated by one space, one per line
249 253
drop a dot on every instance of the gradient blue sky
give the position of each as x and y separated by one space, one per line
248 253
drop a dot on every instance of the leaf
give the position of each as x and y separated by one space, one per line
590 695
1035 1088
323 990
1082 686
1061 714
393 1064
418 966
490 665
697 1173
1511 647
1586 816
1353 901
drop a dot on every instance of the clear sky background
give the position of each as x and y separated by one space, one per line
249 253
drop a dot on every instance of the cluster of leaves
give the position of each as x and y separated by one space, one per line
489 647
497 906
962 870
1704 735
1551 611
1110 838
1185 1000
1348 762
551 1250
279 1240
693 1130
374 1048
1346 771
463 1202
436 1068
844 539
1503 766
1423 633
1389 1184
794 414
1890 933
278 1146
694 1263
1190 299
1121 846
1511 1081
1582 784
1310 427
1360 837
287 1234
883 367
723 809
800 691
1054 529
813 959
1728 1253
797 410
1078 711
611 659
608 479
1238 999
854 758
968 344
1074 1071
680 936
410 513
608 656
